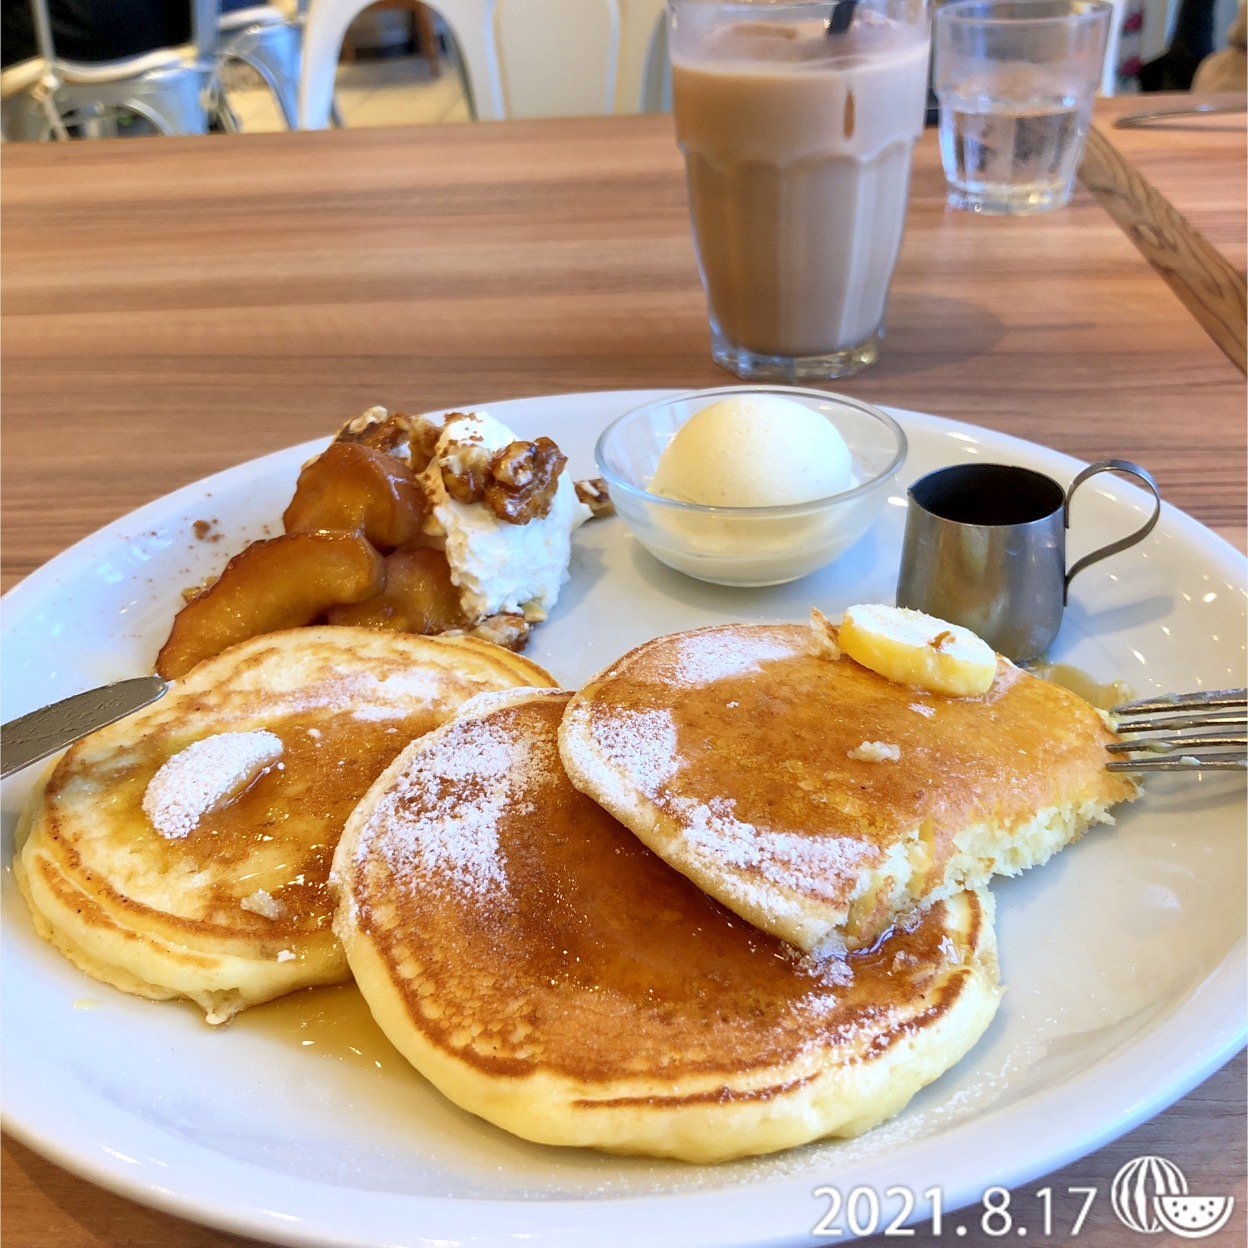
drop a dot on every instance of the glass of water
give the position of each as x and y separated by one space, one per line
1016 80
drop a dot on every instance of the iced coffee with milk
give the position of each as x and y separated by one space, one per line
797 123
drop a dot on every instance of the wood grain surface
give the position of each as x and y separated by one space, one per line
176 306
1199 163
1176 189
180 305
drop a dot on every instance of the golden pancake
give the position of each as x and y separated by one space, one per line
530 957
820 800
229 906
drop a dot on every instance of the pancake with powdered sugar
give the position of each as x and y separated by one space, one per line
547 972
820 800
183 852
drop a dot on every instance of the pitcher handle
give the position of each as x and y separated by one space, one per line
1110 465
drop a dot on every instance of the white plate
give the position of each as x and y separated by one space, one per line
1124 958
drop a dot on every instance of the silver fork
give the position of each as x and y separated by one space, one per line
1178 748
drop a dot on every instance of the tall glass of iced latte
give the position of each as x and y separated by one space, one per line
797 122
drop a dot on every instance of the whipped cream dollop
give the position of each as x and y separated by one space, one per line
500 567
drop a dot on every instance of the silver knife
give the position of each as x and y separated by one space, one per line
1138 121
31 737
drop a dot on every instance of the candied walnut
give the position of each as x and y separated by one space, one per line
278 583
419 597
378 429
594 494
362 426
510 631
523 480
412 438
465 468
424 440
358 489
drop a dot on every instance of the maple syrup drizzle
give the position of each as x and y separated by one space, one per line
331 1022
1103 696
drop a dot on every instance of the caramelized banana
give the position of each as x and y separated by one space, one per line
912 648
279 583
360 490
419 597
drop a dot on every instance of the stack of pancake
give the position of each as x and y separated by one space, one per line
684 913
726 899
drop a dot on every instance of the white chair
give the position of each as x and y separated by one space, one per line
1109 67
171 88
519 58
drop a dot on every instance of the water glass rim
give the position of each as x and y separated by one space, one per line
980 13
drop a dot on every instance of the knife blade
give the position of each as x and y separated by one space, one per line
29 738
1139 121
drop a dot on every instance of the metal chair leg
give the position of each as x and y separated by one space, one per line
284 93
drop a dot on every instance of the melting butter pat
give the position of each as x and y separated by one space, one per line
206 776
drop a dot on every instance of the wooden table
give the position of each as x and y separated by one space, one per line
173 307
1176 186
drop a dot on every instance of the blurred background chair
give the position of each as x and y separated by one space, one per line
60 88
423 23
269 39
519 58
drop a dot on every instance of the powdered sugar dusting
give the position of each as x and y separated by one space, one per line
395 691
417 683
705 657
644 741
263 903
394 695
440 820
786 865
829 966
205 776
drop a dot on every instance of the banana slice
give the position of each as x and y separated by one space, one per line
912 648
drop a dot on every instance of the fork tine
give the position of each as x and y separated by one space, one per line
1188 762
1207 698
1171 716
1167 723
1166 745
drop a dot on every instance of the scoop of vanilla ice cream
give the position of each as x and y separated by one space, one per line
754 450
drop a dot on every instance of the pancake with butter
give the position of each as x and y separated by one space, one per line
547 972
184 851
819 799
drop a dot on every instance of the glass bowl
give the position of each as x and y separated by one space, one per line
748 545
